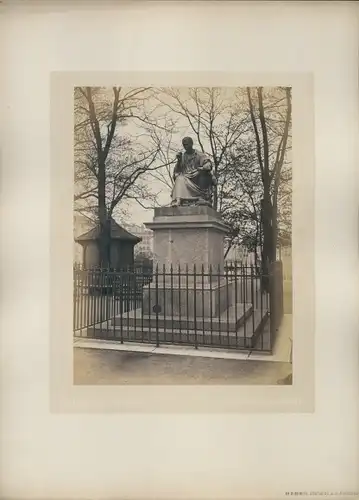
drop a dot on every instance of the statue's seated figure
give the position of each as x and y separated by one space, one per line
193 177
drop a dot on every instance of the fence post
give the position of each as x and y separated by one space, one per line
275 298
156 307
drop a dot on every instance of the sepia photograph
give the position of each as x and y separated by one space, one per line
179 247
182 235
180 226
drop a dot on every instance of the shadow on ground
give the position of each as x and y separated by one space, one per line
102 367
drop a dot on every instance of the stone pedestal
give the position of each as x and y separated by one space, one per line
189 263
188 237
191 300
207 302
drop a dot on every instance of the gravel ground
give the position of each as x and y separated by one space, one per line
107 367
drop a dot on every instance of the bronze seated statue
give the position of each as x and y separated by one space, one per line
193 177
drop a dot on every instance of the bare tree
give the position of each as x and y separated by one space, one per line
246 135
110 164
209 114
241 193
246 132
162 138
271 121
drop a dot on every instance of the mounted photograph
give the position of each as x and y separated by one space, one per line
182 235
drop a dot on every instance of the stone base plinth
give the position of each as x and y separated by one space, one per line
229 320
240 326
206 301
184 237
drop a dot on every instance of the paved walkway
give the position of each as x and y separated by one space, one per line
282 350
101 362
112 367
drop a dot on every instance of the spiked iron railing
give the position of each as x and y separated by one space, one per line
222 307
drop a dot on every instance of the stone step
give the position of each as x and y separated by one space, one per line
230 320
245 337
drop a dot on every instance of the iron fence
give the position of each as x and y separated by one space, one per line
219 308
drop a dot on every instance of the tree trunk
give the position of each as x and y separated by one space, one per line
277 173
274 241
102 154
256 244
267 254
104 222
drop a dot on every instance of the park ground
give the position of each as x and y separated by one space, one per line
111 367
104 363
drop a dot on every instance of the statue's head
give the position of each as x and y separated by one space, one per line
187 143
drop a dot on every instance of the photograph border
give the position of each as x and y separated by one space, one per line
65 397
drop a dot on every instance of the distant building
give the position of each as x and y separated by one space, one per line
237 253
285 255
145 246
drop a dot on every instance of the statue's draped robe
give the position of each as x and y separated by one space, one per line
193 178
